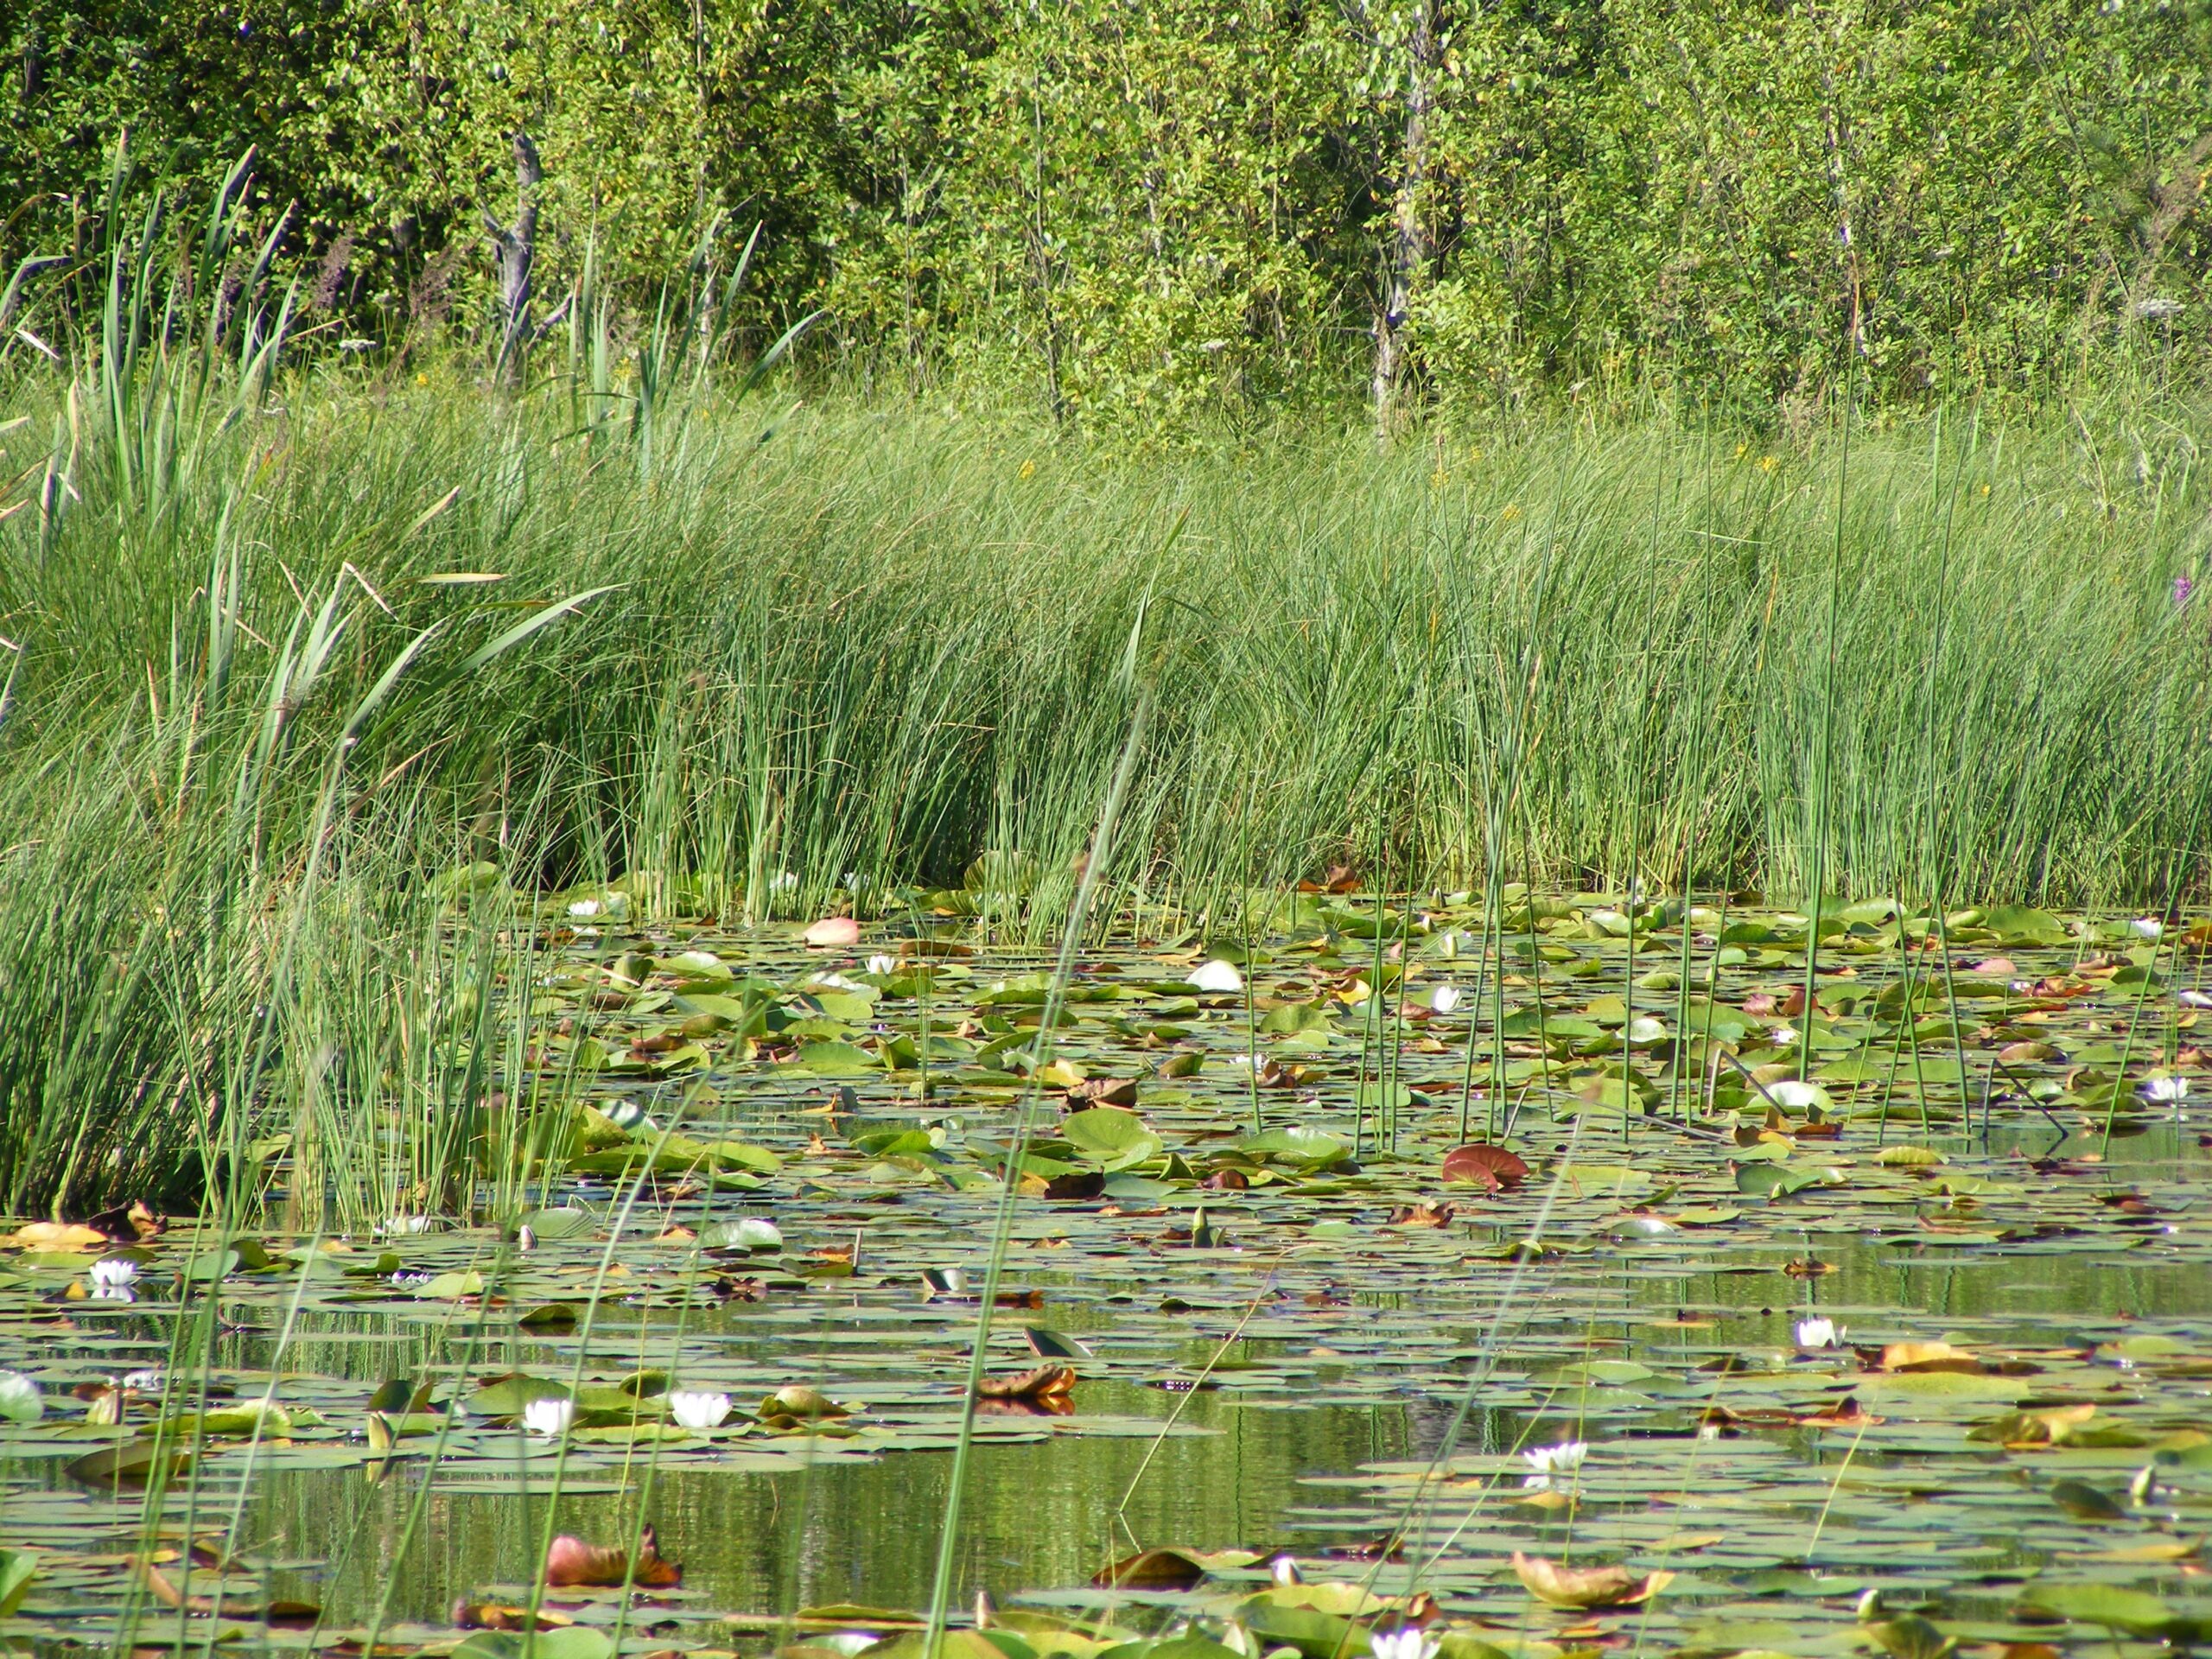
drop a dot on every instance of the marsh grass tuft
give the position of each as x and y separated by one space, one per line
323 682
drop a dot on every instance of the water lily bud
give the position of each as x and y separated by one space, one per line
549 1418
20 1401
1216 976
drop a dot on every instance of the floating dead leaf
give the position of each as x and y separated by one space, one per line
1929 1357
1154 1569
1339 878
1422 1215
500 1616
2158 1552
1104 1091
1585 1587
797 1402
572 1561
1038 1385
1480 1164
1846 1413
57 1235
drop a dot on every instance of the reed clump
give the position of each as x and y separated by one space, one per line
317 680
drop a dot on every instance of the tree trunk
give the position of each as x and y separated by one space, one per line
515 247
1406 253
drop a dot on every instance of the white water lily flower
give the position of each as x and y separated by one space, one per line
698 1407
839 982
783 882
881 963
20 1401
1284 1569
549 1418
1404 1643
1782 1036
2147 927
584 909
1444 998
2197 999
148 1381
405 1226
113 1278
1216 975
2161 1091
1549 1460
1817 1333
405 1281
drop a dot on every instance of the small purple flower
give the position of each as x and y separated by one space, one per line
2183 589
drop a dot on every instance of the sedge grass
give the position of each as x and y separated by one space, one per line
866 646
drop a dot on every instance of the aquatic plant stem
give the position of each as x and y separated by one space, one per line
1824 776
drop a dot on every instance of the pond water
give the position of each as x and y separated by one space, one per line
1293 1337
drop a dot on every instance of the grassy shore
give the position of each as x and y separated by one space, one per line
291 653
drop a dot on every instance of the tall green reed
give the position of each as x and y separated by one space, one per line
868 649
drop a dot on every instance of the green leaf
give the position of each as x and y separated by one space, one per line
745 1233
832 1059
1119 1137
1301 1146
17 1568
2017 925
566 1642
2131 1611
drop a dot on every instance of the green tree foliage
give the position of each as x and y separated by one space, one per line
1146 207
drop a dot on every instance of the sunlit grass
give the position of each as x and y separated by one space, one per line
821 655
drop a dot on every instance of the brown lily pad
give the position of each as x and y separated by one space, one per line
1582 1588
571 1562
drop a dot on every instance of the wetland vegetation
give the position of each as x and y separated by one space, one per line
654 1003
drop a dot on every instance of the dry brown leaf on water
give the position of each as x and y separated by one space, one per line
1038 1382
1105 1091
572 1561
1929 1357
500 1616
57 1235
1846 1413
1585 1587
1152 1569
1480 1164
1339 878
1422 1215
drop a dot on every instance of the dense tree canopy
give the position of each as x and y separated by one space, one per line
1148 206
